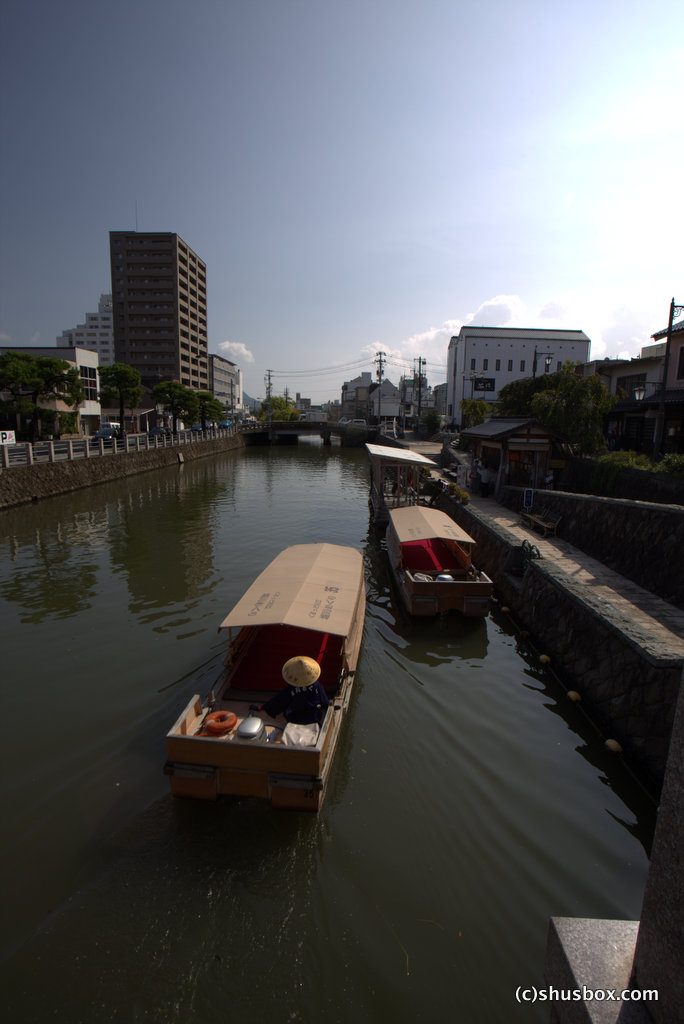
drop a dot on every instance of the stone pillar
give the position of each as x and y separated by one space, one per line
646 955
659 958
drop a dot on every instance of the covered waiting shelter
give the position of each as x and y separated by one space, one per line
395 478
517 451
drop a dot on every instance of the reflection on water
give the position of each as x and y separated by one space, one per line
469 800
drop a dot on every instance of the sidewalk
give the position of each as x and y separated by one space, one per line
639 609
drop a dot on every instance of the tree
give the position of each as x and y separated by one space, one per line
573 406
475 411
120 384
429 422
30 380
209 408
281 408
179 401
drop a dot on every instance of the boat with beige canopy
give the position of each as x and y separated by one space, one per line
431 559
271 728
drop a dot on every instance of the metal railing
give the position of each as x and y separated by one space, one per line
27 454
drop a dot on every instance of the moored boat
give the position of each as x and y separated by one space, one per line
396 479
250 738
431 559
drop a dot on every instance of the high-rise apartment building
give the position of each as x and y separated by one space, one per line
96 334
159 299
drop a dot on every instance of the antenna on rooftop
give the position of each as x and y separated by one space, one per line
136 215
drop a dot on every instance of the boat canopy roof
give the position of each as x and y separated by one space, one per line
310 586
403 456
417 522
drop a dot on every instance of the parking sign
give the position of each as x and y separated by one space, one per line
7 437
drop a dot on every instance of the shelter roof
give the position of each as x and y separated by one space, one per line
400 455
500 427
416 522
310 586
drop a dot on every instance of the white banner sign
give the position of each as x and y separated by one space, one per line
7 437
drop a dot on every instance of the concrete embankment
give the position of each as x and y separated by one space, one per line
620 646
23 484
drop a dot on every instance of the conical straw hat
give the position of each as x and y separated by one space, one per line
301 671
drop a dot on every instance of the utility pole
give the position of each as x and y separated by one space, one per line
421 364
267 382
380 361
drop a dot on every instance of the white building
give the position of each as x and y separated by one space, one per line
96 334
415 402
482 360
383 400
225 382
86 362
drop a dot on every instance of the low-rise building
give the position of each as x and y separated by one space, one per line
354 401
86 362
225 382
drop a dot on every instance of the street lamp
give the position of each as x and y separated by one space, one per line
548 356
639 393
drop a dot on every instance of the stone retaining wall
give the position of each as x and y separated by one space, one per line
30 483
588 476
641 540
629 688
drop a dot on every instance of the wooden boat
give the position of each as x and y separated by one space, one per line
396 475
309 601
431 559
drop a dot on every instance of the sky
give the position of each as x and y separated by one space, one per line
358 176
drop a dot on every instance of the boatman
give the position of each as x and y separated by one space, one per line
303 701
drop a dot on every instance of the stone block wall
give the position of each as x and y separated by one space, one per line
643 541
628 687
30 483
587 476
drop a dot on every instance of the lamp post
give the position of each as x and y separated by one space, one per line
639 393
675 312
548 356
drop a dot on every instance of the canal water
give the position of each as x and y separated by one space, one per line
469 801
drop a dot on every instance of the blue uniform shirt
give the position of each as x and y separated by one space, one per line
299 704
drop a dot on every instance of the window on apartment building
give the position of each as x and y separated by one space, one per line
559 366
510 365
497 364
522 365
680 364
472 364
485 364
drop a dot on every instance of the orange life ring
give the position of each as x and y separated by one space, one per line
218 723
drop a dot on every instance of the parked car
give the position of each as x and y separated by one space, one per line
197 428
358 423
226 425
160 432
104 434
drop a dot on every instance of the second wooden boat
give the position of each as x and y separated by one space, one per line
431 559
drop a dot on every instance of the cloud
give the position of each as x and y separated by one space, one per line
236 350
500 311
35 337
615 330
4 336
